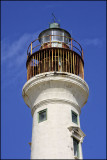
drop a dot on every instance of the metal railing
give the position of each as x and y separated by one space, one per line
72 45
55 59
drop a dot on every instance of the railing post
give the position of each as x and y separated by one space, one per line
31 48
52 59
63 62
58 60
49 61
39 62
55 59
44 60
66 61
71 62
50 40
82 68
71 44
33 65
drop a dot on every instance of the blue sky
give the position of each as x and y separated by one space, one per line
21 23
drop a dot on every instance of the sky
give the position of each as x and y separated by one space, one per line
21 23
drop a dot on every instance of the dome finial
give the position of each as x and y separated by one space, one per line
54 24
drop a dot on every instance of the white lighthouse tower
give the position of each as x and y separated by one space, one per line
55 92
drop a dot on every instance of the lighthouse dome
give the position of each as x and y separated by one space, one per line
56 35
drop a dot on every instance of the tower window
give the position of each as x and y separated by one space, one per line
76 147
42 115
74 117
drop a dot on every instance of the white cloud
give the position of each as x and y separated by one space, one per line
16 48
14 56
92 42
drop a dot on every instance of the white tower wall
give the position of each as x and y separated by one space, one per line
59 94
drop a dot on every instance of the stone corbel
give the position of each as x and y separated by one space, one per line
77 133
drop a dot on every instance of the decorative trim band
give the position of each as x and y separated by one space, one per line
43 102
56 76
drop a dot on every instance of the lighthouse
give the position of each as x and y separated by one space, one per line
55 92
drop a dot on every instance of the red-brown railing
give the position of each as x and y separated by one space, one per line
55 59
72 45
61 57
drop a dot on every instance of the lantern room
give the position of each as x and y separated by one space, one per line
57 36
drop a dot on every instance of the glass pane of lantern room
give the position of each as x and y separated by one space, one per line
66 39
47 37
58 36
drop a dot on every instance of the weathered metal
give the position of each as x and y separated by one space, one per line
55 59
64 57
54 31
31 47
74 45
54 25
